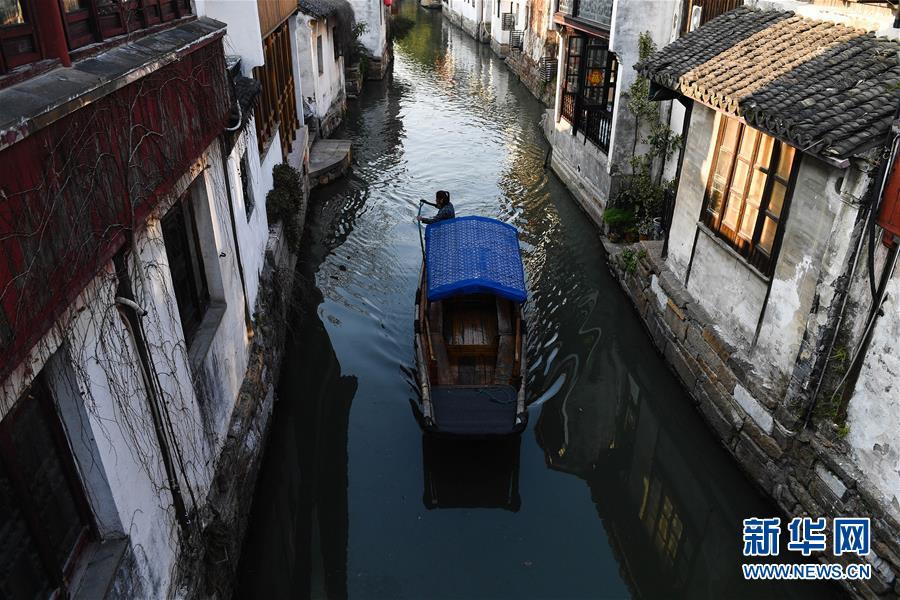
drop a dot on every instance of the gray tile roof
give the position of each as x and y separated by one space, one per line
822 87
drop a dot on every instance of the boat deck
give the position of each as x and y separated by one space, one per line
472 341
480 410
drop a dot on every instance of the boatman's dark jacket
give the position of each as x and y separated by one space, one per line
446 212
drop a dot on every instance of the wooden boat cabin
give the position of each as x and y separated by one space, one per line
470 336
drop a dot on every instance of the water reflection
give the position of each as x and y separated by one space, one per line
471 473
616 490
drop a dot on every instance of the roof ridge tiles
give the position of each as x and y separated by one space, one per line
796 77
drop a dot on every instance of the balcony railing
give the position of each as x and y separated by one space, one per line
598 12
595 122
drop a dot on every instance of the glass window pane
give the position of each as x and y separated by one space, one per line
732 129
732 211
22 575
40 462
73 5
764 154
748 142
776 202
757 186
785 160
719 182
11 13
748 222
740 177
767 238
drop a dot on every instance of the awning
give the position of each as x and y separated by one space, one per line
474 255
822 87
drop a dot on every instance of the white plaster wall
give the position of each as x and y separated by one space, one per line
497 34
580 164
874 409
698 156
326 88
630 18
243 37
813 254
727 288
374 14
253 232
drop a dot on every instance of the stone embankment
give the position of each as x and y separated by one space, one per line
805 473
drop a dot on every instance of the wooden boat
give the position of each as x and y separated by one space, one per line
470 335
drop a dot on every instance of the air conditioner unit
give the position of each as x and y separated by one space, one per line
548 66
516 39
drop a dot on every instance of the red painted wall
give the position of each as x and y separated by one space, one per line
889 215
71 193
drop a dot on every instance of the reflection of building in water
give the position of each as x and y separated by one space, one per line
670 525
471 473
300 509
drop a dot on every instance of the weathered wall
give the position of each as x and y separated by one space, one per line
631 18
94 372
689 200
252 229
580 165
326 89
540 40
874 410
726 287
372 13
805 474
818 224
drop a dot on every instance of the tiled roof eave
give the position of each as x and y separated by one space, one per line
825 88
816 148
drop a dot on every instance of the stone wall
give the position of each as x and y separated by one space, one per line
805 473
529 73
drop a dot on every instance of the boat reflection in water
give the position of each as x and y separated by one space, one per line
471 473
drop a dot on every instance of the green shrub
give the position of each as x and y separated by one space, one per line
618 218
285 201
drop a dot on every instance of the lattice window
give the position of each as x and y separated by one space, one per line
89 21
748 191
508 23
44 516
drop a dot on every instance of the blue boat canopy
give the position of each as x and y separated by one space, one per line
474 255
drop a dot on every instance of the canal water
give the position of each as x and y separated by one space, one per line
615 490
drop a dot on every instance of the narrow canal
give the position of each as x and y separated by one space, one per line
615 490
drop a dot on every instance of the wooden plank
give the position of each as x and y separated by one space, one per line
437 344
505 360
504 317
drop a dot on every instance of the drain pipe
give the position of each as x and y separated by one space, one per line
248 320
876 187
125 298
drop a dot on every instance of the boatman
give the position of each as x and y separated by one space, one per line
445 208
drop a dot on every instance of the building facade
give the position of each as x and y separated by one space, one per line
768 294
533 52
136 247
374 16
322 36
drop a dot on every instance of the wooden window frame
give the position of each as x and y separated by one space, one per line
198 293
110 19
28 29
58 576
750 249
594 120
